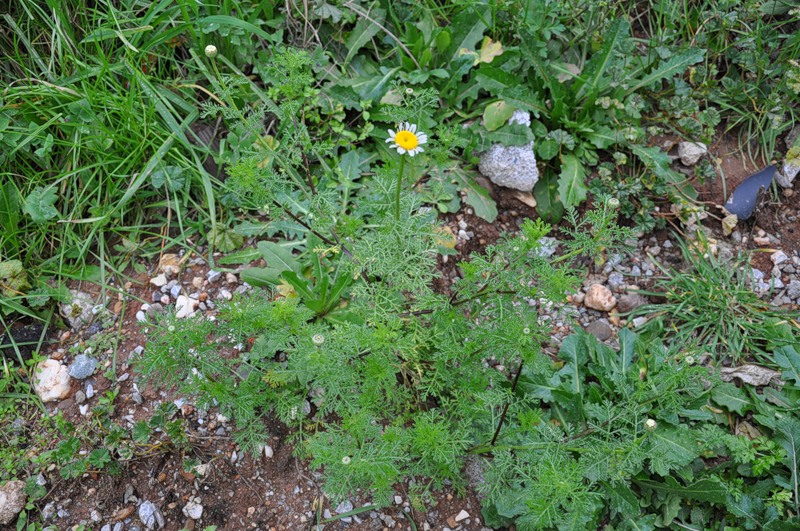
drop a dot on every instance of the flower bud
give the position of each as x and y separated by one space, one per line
346 460
211 51
613 202
318 339
650 424
689 360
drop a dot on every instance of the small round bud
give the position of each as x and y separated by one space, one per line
650 424
346 460
613 202
171 328
526 330
211 51
689 360
318 339
409 90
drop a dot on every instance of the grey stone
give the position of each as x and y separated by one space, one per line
691 152
151 516
78 312
511 166
82 367
213 276
12 501
793 290
630 301
140 316
600 330
345 507
193 510
616 280
80 397
788 173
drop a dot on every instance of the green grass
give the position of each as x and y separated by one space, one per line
712 305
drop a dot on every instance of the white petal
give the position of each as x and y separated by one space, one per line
392 133
400 150
390 139
412 128
422 138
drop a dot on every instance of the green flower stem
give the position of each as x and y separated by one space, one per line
399 186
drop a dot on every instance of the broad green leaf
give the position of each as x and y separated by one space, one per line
788 359
571 182
496 115
575 354
477 196
9 213
13 278
596 68
603 137
787 434
731 397
39 204
171 176
467 28
365 30
513 134
677 64
548 205
245 256
225 239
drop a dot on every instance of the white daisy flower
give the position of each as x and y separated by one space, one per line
407 139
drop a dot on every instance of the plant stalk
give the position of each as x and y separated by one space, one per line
399 187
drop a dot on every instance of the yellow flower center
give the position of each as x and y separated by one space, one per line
406 140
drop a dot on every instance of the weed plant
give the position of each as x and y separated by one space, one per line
713 305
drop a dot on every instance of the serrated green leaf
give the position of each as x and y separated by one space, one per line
477 196
677 64
622 499
39 204
278 257
710 490
571 182
731 397
467 29
170 176
598 65
673 447
350 166
788 359
365 30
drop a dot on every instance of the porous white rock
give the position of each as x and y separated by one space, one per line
51 381
511 166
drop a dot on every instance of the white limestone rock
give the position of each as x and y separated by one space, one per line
51 381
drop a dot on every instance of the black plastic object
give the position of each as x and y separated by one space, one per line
744 199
